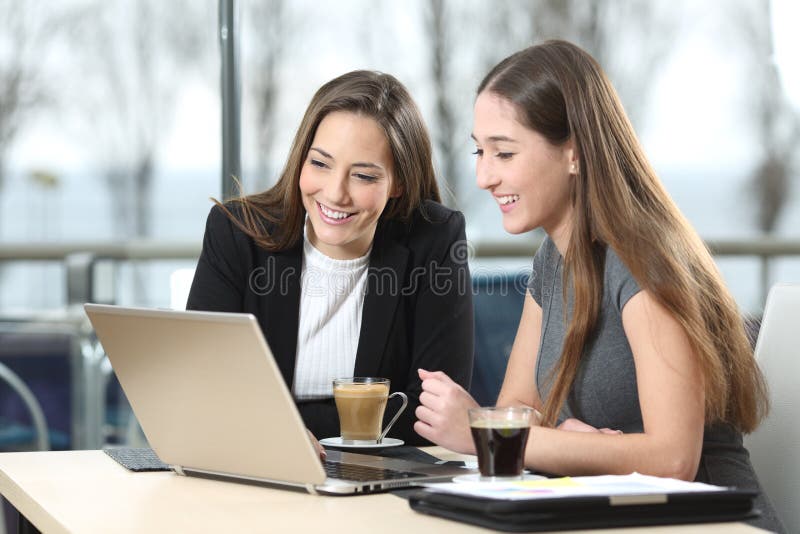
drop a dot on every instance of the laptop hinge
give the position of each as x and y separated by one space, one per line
178 469
311 489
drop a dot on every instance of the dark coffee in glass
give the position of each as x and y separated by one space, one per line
500 436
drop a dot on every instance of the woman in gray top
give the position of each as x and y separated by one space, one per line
629 344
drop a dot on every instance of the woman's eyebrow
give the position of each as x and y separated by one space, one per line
360 164
496 138
367 164
322 152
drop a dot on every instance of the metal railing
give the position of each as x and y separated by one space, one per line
81 257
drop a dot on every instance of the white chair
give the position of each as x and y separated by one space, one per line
775 446
180 282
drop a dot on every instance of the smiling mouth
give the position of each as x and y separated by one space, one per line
505 200
333 214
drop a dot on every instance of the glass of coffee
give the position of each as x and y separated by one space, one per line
361 402
500 436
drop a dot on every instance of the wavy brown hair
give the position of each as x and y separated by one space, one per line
561 92
274 218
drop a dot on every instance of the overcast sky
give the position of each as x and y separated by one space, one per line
701 80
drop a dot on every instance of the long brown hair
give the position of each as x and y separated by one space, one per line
274 218
562 93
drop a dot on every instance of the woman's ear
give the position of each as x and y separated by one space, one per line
572 158
397 190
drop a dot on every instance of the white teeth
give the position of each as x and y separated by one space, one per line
508 199
333 214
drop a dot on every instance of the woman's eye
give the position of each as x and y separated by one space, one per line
478 152
504 155
318 163
366 177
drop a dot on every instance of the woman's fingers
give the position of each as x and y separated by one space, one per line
575 425
425 430
427 415
431 401
319 448
434 375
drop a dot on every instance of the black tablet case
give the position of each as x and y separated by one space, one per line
584 512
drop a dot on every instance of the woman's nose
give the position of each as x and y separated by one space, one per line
486 176
337 190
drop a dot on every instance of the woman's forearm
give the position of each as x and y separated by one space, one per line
564 452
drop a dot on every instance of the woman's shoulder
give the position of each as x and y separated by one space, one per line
432 213
615 266
430 226
620 283
232 215
234 227
433 221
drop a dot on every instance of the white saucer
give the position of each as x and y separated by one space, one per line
339 443
476 477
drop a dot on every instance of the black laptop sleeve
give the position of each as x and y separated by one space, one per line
536 515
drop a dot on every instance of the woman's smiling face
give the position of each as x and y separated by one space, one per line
528 176
345 182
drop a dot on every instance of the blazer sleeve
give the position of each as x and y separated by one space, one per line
219 279
443 327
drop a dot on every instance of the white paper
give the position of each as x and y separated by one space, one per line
605 485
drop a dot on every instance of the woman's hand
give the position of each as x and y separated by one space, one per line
442 412
320 449
575 425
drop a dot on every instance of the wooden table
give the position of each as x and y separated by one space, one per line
87 492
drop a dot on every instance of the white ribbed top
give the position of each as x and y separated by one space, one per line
331 301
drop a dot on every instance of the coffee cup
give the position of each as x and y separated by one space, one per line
500 436
360 402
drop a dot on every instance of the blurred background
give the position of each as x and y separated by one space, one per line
111 143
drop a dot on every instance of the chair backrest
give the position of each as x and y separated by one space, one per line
498 300
42 440
775 446
180 282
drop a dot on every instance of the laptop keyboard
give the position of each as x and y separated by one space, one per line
363 473
137 459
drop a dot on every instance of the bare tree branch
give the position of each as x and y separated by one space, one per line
630 38
776 124
135 57
29 34
437 30
271 22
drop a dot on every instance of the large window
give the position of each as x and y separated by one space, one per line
109 132
110 123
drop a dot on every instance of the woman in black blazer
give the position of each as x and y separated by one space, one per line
357 196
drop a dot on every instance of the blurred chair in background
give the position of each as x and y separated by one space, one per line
15 436
497 299
775 446
40 366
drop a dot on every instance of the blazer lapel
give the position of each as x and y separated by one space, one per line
282 308
384 283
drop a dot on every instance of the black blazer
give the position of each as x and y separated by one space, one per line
417 308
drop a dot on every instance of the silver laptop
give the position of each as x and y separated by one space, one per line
211 401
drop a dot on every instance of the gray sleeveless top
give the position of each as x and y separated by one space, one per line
604 393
